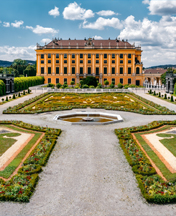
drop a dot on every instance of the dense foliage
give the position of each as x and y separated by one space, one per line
2 88
22 83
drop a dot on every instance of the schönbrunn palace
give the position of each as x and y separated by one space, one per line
63 61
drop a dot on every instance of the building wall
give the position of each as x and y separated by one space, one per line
49 65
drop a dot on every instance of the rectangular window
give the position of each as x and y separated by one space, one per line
105 79
121 70
57 61
42 62
42 56
81 70
49 55
113 61
73 70
105 61
65 80
89 61
65 70
89 70
49 61
49 80
73 79
57 55
81 55
81 61
121 55
89 55
129 70
129 55
113 56
42 70
97 55
73 55
121 61
73 61
57 80
137 70
113 70
49 70
105 70
129 81
65 61
65 55
97 61
57 70
129 61
121 80
105 55
113 80
97 71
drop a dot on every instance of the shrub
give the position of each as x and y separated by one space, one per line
112 85
2 99
64 85
159 95
172 99
150 92
120 86
85 86
19 95
29 91
50 85
7 99
91 86
168 98
24 93
13 96
58 85
154 93
106 82
2 88
165 96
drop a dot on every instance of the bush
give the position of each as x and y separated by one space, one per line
168 98
13 96
154 93
2 88
91 86
159 95
24 93
64 85
172 99
150 92
165 96
99 85
2 99
7 99
50 85
85 86
112 85
89 81
19 95
120 86
58 85
29 91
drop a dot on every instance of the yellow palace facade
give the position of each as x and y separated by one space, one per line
63 61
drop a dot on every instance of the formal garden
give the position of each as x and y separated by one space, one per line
110 101
150 151
25 148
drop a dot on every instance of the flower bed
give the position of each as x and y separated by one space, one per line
21 186
110 101
153 187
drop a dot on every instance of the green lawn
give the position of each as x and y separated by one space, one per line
6 143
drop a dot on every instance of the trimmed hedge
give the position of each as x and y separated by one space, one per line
22 83
2 88
21 186
153 187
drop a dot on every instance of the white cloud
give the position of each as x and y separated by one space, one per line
10 53
6 24
0 21
96 37
74 12
42 30
106 13
17 24
156 38
45 40
101 23
162 8
54 12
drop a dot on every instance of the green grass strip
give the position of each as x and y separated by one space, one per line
7 172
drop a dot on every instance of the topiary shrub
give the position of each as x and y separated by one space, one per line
19 95
13 96
172 99
24 92
165 96
159 95
168 98
154 93
7 99
150 91
85 86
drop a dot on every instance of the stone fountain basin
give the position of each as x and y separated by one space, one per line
113 118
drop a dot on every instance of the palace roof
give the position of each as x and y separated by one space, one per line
155 71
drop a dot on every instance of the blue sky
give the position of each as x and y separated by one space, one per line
149 23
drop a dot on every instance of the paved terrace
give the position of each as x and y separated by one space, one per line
87 173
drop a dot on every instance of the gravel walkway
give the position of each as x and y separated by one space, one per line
87 173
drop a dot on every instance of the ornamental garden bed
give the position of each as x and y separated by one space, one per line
151 151
110 101
24 149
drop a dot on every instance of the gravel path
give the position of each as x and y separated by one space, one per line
87 173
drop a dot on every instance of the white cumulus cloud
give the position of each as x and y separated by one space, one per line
101 23
161 7
42 30
45 40
17 24
10 53
74 12
6 24
106 13
54 12
96 37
